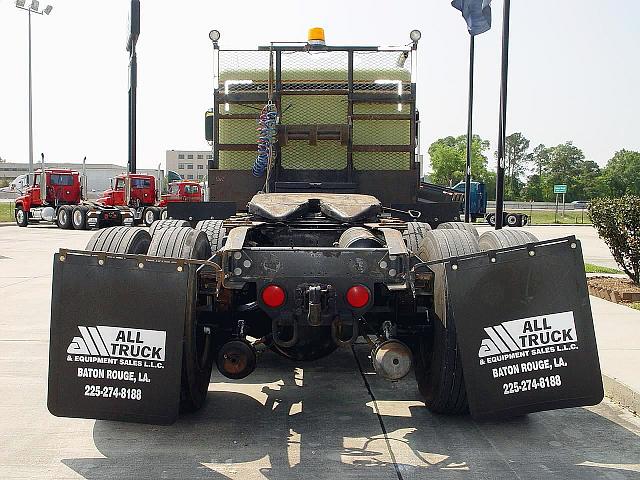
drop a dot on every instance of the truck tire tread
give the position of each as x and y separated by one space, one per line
158 224
439 367
495 239
215 232
185 242
414 234
460 226
125 240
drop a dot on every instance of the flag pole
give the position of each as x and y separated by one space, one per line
503 116
467 178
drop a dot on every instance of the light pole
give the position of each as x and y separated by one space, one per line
35 8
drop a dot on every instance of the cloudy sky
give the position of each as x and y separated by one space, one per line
574 70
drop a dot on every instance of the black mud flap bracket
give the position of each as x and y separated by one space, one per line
116 337
525 329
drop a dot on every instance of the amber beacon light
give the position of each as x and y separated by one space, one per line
316 36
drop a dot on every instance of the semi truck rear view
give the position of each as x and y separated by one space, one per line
331 242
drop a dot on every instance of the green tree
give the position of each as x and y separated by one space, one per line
448 160
489 180
564 165
540 158
621 176
517 158
534 189
588 184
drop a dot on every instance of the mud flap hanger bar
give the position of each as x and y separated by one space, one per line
180 262
493 254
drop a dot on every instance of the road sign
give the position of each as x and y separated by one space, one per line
559 189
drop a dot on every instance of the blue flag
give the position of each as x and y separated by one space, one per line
477 14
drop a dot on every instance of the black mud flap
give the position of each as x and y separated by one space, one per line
116 338
525 330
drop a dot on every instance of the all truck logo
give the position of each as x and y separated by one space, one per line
119 342
528 333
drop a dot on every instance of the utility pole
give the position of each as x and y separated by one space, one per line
134 33
503 116
477 15
35 8
467 177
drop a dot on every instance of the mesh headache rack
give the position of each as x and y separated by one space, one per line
345 114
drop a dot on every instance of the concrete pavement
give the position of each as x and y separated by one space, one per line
618 336
328 419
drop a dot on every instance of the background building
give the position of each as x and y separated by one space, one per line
189 164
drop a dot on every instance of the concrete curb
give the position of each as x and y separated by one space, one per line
621 393
6 224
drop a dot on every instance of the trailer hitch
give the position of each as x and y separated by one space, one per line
316 302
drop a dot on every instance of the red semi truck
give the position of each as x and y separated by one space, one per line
140 194
56 195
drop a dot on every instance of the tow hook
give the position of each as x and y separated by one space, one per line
315 305
336 332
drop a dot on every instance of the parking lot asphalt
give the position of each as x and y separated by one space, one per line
328 419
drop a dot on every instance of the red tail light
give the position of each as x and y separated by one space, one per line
358 296
273 296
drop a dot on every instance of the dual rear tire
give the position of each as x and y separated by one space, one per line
79 217
150 215
126 240
172 242
198 346
63 217
438 368
160 224
438 363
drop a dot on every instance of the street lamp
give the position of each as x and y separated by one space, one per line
33 8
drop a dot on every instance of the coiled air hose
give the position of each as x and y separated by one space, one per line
267 137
